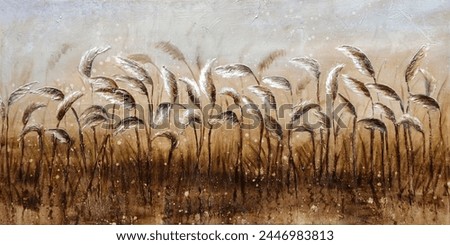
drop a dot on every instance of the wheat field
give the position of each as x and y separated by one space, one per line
228 143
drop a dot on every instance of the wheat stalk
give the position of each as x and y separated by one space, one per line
137 82
118 97
232 93
390 115
413 66
325 123
91 117
193 117
250 108
227 91
20 92
352 110
85 66
99 83
298 111
139 86
162 114
355 85
224 117
239 162
56 95
208 88
429 104
29 110
310 129
373 124
170 84
66 104
25 118
140 77
61 111
193 91
410 121
2 110
348 105
134 69
268 60
206 82
235 71
331 89
174 52
127 123
359 59
50 92
190 117
283 84
331 84
302 108
266 97
92 110
426 101
272 128
15 96
386 92
134 83
106 87
278 83
311 66
93 121
229 117
61 136
173 137
39 129
430 82
386 111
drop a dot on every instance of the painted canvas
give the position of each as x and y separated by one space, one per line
224 112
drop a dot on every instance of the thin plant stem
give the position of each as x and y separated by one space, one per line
80 135
354 155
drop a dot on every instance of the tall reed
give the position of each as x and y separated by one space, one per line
311 66
25 119
15 96
410 121
39 129
373 124
206 84
331 89
173 137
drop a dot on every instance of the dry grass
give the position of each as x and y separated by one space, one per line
96 165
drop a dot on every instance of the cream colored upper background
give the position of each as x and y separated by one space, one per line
43 40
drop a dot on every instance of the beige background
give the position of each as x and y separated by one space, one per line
43 40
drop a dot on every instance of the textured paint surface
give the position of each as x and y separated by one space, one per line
332 174
35 34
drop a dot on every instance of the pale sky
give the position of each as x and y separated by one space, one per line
47 38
